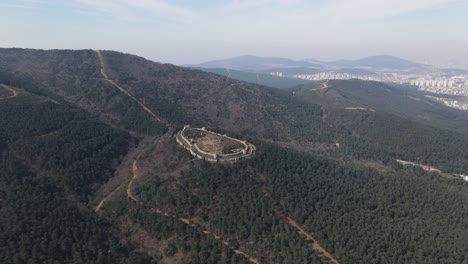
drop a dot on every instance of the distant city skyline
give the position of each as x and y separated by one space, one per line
185 32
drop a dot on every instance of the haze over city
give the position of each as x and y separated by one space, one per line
183 32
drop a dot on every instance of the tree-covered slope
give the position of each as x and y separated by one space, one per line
368 120
366 216
411 105
89 175
358 214
178 95
52 157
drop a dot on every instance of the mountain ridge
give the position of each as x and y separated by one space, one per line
257 63
378 61
250 62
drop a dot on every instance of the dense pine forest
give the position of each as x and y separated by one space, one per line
52 156
361 215
88 176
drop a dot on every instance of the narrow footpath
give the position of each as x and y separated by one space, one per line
106 77
130 194
105 199
324 86
360 108
315 245
186 221
207 232
134 167
11 90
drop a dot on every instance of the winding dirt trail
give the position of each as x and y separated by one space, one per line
130 194
315 245
207 232
50 134
360 108
186 221
324 86
11 90
309 238
106 198
106 77
134 167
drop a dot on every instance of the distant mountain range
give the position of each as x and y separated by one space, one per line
262 70
379 62
262 77
253 63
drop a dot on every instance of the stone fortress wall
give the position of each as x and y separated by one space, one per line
247 151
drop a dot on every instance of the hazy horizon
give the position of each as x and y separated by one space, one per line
182 32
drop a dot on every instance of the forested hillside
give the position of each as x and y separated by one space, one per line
412 105
90 171
381 136
368 122
53 155
358 214
178 95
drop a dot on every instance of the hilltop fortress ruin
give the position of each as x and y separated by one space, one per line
213 147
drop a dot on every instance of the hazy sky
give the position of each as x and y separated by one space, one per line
191 31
